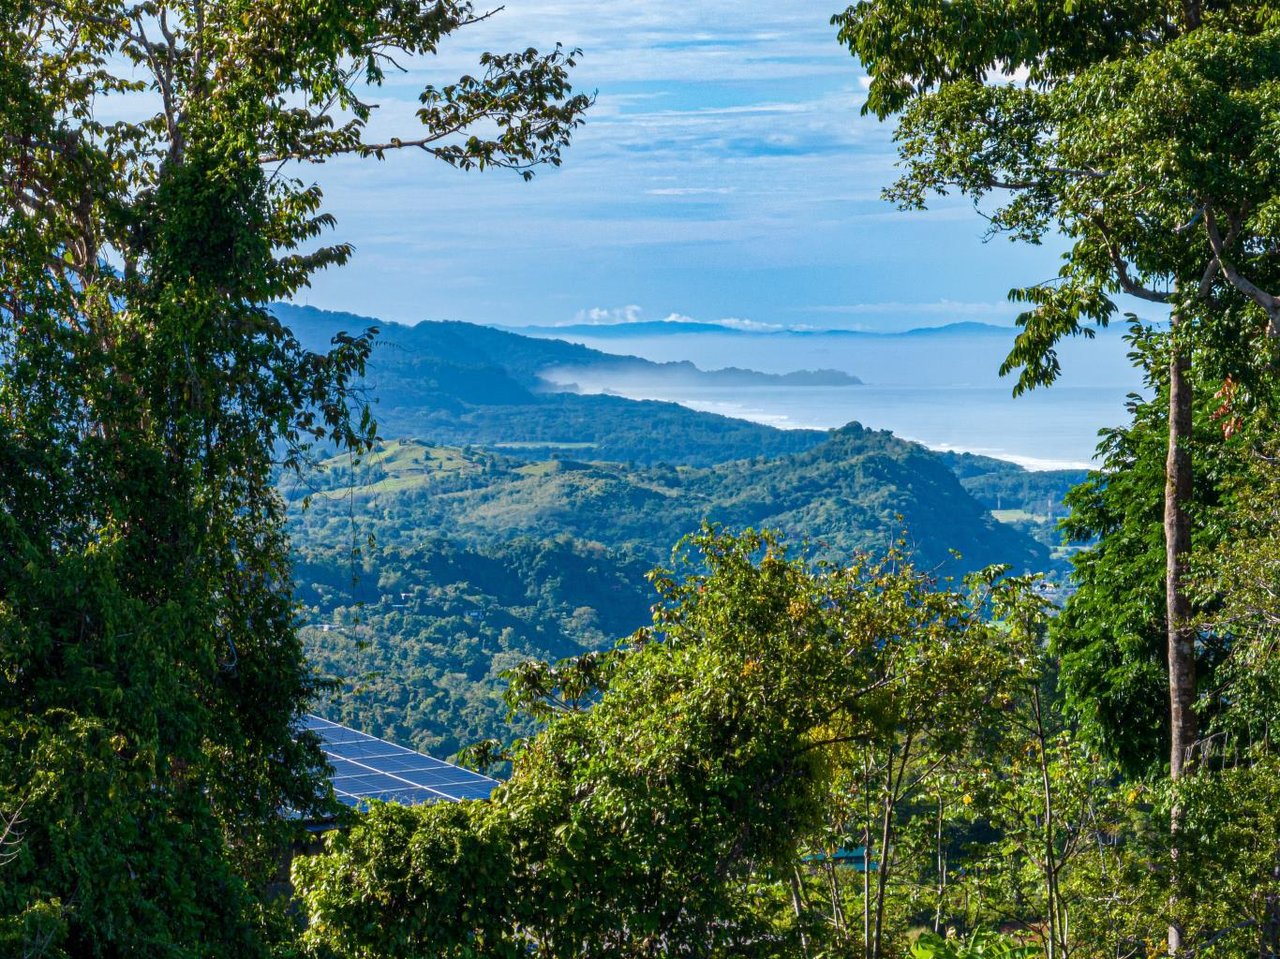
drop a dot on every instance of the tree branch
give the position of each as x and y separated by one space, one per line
1267 301
11 835
1123 277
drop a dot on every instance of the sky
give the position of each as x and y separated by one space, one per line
724 174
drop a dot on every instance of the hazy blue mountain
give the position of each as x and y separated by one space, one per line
633 328
461 383
524 358
683 374
644 328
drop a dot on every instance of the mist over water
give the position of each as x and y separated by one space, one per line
941 389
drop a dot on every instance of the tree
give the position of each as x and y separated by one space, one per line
1111 636
941 709
152 672
665 808
1141 135
1234 811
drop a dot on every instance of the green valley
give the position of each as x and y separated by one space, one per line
428 570
501 521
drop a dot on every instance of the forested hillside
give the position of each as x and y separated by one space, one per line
480 560
1033 502
419 631
460 383
500 521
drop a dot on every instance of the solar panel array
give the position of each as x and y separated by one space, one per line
365 767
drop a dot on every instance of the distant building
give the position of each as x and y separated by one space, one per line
856 858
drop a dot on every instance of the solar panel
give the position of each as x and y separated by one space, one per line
366 767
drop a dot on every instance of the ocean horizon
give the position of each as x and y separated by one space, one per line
942 390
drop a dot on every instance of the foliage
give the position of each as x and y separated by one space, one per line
657 815
795 758
905 793
422 639
1231 808
152 671
1238 580
981 944
1111 635
1094 145
546 560
1231 841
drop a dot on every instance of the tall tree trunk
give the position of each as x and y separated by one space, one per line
797 903
893 795
866 858
1177 537
942 871
882 871
1181 634
866 890
1050 849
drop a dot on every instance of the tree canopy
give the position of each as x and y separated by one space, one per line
153 675
1139 132
682 776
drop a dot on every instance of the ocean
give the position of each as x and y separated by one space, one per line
941 389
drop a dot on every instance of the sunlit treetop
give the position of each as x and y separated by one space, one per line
243 83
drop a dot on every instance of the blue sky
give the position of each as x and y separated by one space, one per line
724 173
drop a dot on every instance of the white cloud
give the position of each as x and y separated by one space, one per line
600 316
725 169
753 326
613 316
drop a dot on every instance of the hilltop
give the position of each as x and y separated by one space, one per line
859 489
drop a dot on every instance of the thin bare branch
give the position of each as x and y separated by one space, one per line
11 834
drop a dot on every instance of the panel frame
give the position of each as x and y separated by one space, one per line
427 779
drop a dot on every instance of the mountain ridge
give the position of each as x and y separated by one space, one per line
510 349
640 328
461 383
